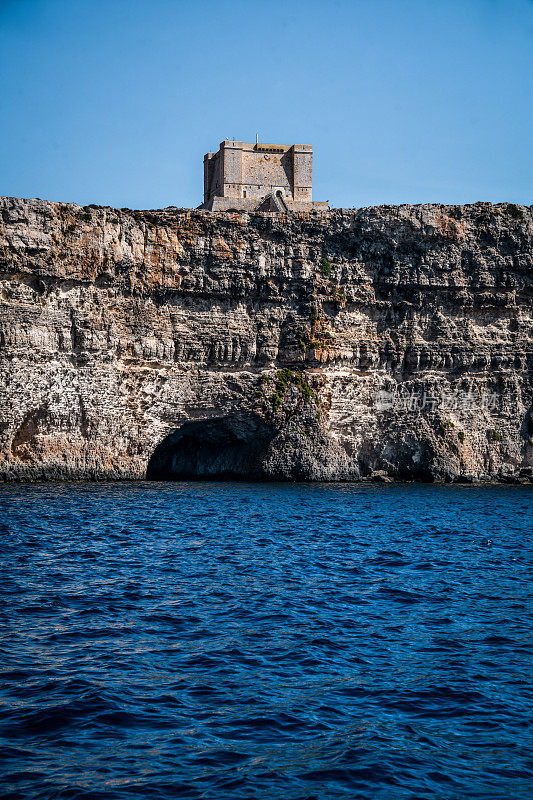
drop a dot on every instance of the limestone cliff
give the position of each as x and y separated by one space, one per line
388 341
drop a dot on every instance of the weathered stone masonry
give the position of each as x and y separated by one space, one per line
266 177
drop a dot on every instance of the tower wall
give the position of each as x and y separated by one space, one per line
209 165
302 155
250 172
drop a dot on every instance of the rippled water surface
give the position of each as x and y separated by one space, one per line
265 641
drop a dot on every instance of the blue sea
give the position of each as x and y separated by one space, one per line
276 641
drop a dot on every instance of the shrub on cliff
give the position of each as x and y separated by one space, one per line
326 267
513 211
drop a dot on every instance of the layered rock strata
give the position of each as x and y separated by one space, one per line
386 342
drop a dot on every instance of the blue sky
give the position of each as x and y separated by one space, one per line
116 101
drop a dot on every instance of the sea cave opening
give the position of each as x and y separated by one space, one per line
224 448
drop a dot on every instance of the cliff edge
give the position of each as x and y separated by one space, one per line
387 342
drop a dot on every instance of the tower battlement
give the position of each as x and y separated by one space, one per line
261 176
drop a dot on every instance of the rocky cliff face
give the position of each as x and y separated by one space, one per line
393 342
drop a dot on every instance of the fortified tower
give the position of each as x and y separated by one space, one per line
259 177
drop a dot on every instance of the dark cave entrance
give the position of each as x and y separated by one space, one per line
220 449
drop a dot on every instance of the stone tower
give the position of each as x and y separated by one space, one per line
262 177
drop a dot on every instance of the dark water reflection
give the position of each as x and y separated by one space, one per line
265 641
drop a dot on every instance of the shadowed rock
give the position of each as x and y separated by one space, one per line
223 448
